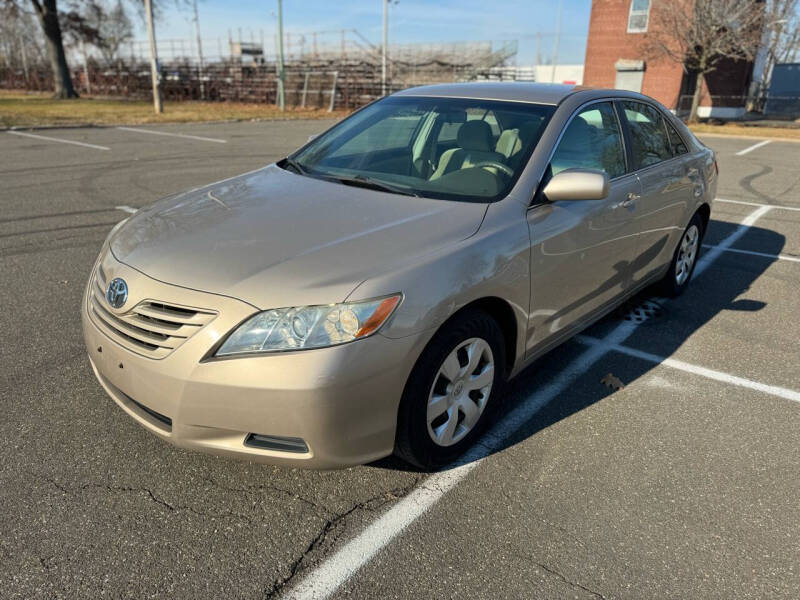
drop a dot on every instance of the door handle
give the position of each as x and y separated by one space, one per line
630 199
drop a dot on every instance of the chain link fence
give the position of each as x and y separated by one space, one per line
243 72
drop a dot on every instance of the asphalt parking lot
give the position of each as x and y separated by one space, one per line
683 484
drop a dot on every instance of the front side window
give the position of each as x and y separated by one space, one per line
449 148
649 141
639 16
592 140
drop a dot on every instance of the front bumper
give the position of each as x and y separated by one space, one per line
341 401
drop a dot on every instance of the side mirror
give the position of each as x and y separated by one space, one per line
577 184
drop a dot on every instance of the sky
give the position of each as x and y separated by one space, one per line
410 21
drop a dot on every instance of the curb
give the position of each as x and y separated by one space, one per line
110 126
745 137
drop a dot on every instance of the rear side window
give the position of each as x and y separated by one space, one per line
649 141
677 145
592 140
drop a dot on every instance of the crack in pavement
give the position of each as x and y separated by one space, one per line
264 486
160 501
372 504
46 562
568 582
331 521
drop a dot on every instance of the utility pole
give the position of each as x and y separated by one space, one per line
154 72
383 46
555 49
281 96
199 52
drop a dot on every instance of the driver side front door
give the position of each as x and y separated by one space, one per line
582 250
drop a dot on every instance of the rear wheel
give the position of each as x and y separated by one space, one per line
684 260
451 390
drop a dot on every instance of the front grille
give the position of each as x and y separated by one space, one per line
151 328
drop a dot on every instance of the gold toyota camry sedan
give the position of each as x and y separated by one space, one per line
372 292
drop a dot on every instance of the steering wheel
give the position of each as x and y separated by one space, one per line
497 165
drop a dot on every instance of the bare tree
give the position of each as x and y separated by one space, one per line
47 13
19 38
698 34
114 30
105 26
781 36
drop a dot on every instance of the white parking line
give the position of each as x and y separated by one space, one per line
336 570
709 257
753 147
180 135
52 139
772 390
754 253
775 206
127 209
325 579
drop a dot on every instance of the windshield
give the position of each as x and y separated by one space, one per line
452 148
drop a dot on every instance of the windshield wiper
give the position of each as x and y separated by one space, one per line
290 162
372 184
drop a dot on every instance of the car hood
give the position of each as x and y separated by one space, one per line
274 239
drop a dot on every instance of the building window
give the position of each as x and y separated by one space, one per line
639 16
630 74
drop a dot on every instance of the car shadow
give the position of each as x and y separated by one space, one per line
722 287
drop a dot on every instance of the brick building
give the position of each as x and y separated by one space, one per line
614 59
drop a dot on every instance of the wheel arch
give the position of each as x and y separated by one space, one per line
501 311
704 210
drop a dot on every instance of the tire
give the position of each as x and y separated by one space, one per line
457 397
680 273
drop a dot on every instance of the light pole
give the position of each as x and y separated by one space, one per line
281 96
199 51
154 73
555 49
383 46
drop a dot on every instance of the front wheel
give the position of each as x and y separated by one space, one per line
450 391
684 260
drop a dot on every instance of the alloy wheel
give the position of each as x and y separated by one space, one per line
460 391
687 254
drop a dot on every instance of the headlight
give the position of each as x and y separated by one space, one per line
304 327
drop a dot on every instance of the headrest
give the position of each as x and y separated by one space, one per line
577 136
508 143
476 136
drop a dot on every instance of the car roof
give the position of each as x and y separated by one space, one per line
519 91
515 91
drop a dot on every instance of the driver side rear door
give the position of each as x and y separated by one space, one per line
582 250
